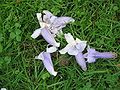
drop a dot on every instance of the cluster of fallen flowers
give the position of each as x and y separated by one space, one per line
50 27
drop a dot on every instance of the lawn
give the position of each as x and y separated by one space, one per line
96 21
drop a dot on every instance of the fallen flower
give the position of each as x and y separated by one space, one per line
53 23
59 23
92 55
81 61
75 47
47 36
46 59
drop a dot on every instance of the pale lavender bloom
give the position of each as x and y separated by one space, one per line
49 37
48 17
59 23
46 59
56 23
81 61
75 47
92 55
50 26
53 23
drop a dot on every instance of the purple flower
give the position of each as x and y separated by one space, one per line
46 59
53 23
92 55
75 47
81 61
59 23
49 37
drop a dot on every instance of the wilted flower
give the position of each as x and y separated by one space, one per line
59 23
49 37
53 23
50 27
75 47
92 55
46 59
81 61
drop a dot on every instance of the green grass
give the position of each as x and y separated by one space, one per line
97 21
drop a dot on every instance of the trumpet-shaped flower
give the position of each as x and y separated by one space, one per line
59 23
92 55
75 47
46 59
53 23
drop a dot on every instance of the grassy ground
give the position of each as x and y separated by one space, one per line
97 21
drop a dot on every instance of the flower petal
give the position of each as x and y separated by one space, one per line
81 45
105 55
47 13
36 33
65 50
52 19
96 54
91 59
60 21
39 17
73 51
49 37
69 38
40 56
46 58
48 63
42 25
48 17
41 22
56 30
90 55
81 61
51 49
